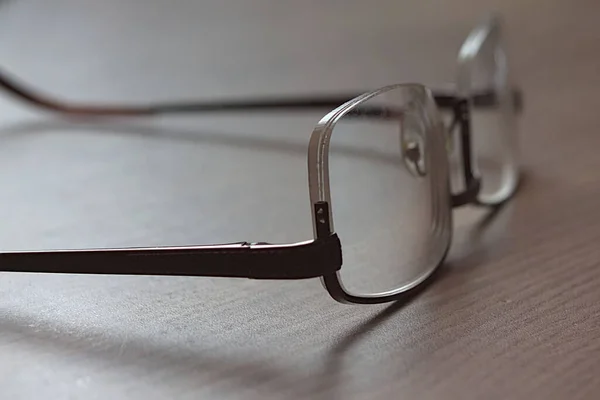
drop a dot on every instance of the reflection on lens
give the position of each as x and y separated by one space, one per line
389 190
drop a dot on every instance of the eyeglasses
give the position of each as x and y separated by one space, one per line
417 153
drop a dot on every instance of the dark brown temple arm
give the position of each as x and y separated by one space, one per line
32 96
310 259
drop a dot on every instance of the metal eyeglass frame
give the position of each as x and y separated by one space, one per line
320 257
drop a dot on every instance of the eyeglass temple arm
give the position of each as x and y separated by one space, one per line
303 260
34 97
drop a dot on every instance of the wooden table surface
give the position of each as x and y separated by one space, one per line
513 315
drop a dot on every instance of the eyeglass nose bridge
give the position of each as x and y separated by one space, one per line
462 117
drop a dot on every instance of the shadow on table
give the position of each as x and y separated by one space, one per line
184 361
197 368
192 367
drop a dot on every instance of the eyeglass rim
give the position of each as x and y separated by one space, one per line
320 193
490 28
268 266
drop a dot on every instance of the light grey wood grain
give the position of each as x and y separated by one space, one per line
514 314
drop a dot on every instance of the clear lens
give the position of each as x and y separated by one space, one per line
388 173
483 68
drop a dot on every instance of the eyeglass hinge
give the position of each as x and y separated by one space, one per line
322 219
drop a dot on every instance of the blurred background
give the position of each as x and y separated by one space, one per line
133 52
201 179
